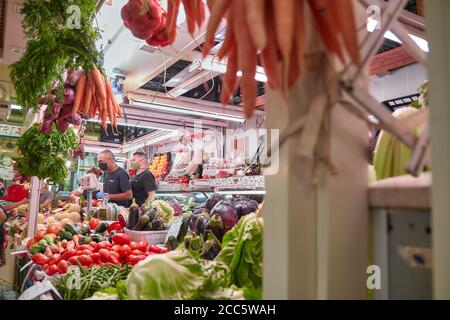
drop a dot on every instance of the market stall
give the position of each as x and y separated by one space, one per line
188 84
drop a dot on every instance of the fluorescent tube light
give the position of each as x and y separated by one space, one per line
149 142
178 195
206 114
16 107
241 192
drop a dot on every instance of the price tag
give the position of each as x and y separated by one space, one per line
174 228
35 291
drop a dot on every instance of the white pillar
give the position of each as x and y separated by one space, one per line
438 29
33 206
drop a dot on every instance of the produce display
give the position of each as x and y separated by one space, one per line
160 165
205 260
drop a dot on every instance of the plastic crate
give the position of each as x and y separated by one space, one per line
152 237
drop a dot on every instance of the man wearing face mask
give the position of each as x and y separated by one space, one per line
117 184
143 182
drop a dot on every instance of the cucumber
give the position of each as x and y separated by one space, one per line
85 240
71 229
85 230
65 235
102 227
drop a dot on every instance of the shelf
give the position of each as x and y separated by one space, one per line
245 183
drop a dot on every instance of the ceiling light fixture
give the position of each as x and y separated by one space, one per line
187 111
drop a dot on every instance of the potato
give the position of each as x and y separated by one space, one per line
65 221
74 216
40 218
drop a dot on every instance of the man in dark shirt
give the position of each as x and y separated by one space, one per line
143 182
117 184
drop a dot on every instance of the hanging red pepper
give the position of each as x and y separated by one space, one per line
115 226
122 221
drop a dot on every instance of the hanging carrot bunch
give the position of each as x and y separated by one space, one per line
275 29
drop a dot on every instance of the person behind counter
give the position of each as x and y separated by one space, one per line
45 196
143 182
76 194
116 185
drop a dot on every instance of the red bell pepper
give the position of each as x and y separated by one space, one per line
121 238
115 226
122 221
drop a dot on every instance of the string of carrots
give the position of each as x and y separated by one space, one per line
95 97
272 32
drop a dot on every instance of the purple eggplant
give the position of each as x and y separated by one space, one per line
244 207
215 225
227 212
210 250
212 201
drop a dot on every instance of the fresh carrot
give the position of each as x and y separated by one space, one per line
113 116
190 17
230 78
344 15
229 39
284 30
99 82
269 56
173 7
201 13
294 69
172 13
300 31
218 10
88 93
104 116
79 94
255 14
247 57
327 25
92 108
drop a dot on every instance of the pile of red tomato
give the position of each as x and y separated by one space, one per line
121 251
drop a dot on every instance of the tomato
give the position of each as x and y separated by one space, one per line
53 260
96 257
93 223
85 252
116 248
121 238
114 260
135 246
62 266
73 260
85 260
136 252
68 254
154 248
125 251
104 255
51 270
114 254
39 235
40 259
165 250
94 202
134 259
143 245
86 247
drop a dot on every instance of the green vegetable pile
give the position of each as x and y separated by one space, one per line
242 249
80 283
182 274
55 44
44 155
